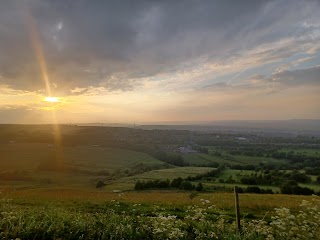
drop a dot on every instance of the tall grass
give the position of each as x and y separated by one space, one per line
116 220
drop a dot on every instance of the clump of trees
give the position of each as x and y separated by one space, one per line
177 183
174 159
255 189
213 173
140 185
275 178
298 159
312 171
291 187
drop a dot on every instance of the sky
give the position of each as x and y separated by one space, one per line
152 61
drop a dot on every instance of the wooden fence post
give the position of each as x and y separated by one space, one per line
237 208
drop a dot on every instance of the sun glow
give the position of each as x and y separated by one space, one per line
52 99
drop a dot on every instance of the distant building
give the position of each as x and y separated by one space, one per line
241 138
186 150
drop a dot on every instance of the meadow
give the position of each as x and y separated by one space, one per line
70 214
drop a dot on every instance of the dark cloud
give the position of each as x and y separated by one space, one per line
306 77
277 81
288 79
92 43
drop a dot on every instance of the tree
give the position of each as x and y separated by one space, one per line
100 184
199 187
248 180
300 177
288 188
253 190
302 190
139 185
176 182
318 179
186 185
164 184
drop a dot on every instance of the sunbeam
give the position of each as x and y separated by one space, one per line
39 53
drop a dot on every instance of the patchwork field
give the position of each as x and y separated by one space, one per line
84 189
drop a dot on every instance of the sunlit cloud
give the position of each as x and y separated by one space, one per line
107 62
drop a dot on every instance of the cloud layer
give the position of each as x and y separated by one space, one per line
157 48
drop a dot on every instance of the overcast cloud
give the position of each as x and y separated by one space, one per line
91 43
100 47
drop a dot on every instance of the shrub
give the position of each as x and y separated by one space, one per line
100 184
186 185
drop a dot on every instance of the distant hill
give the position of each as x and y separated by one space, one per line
293 124
294 127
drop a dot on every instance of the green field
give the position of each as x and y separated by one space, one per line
28 156
306 151
235 174
34 165
206 159
171 173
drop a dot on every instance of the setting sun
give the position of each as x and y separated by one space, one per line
51 99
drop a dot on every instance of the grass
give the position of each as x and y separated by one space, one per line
84 162
207 159
235 174
171 173
248 202
315 187
306 151
121 220
28 156
31 214
22 156
107 158
249 160
197 159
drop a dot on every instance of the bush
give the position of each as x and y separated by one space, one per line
248 180
186 185
318 179
199 187
295 189
139 186
253 190
100 184
176 182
